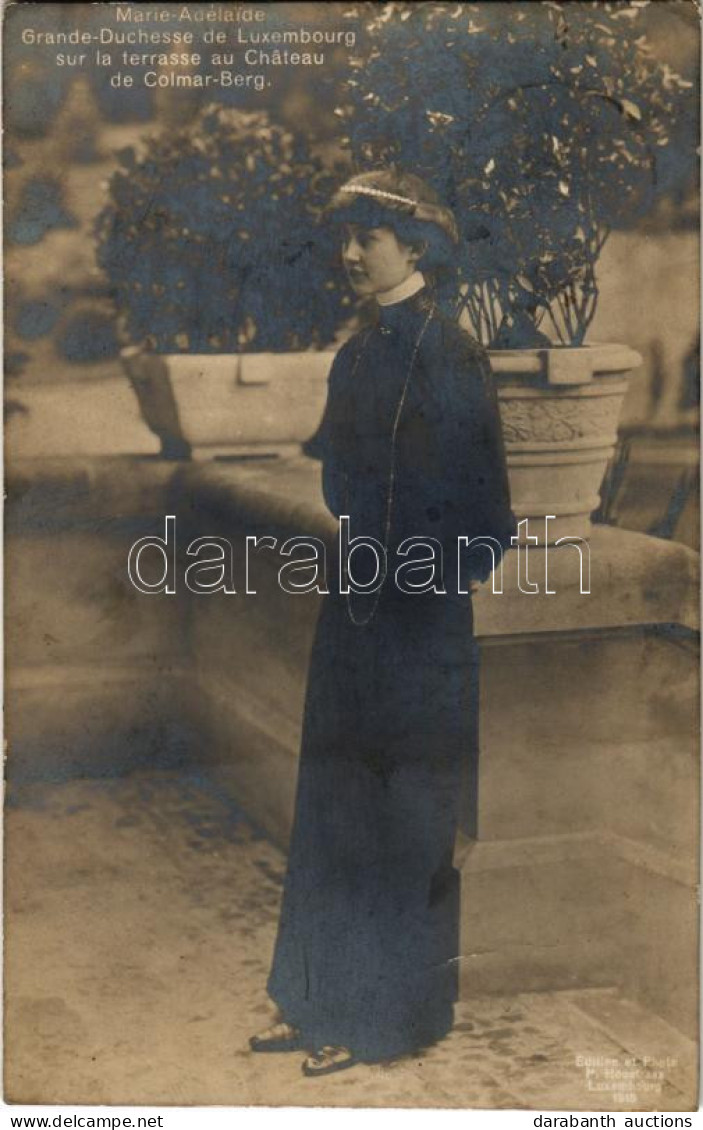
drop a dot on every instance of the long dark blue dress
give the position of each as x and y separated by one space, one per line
367 946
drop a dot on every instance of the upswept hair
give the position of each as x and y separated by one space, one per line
368 199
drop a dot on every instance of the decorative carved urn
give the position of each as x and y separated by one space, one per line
560 411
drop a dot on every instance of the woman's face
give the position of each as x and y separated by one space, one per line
375 259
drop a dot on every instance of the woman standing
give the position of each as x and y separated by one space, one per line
365 966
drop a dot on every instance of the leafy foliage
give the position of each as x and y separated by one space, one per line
543 125
211 242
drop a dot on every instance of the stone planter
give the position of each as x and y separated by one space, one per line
150 377
559 407
223 405
560 411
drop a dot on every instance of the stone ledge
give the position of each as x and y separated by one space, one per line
635 579
477 856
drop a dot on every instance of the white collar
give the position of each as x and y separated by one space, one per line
406 289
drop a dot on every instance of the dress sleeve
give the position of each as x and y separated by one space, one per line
329 442
475 491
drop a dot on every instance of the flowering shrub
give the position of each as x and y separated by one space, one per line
211 242
543 125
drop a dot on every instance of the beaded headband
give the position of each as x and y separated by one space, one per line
421 210
365 190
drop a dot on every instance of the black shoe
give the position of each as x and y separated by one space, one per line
278 1038
328 1060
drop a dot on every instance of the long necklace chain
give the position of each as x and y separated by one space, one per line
362 622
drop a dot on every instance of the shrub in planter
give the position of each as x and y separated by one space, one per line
210 239
211 243
543 125
551 123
